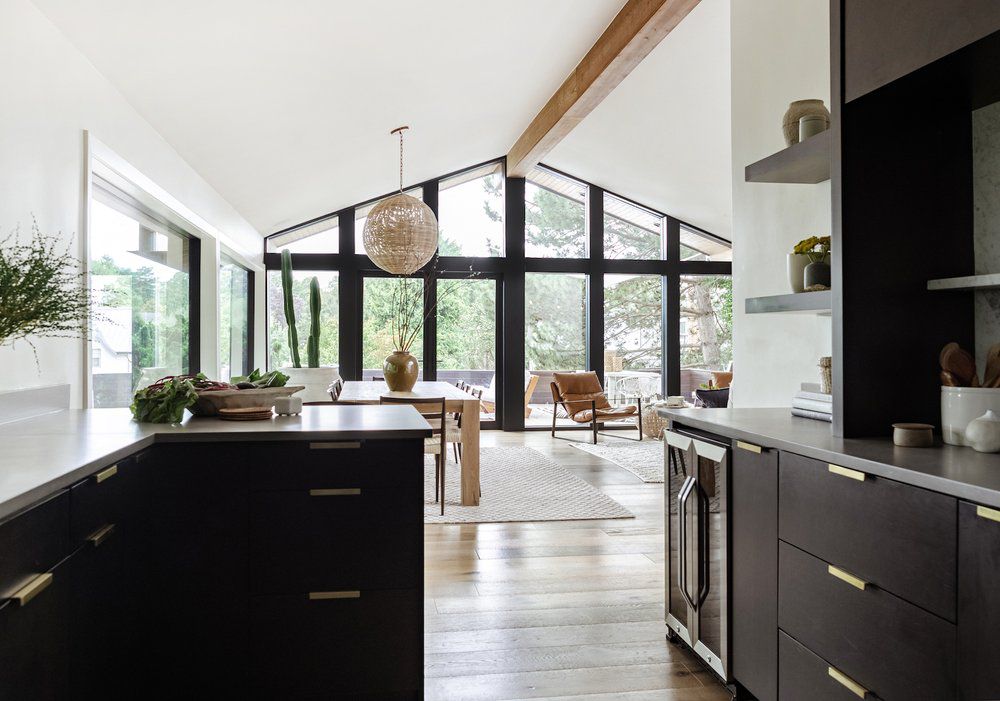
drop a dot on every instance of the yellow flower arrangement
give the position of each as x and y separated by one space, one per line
816 247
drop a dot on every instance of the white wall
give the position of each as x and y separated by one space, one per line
51 94
780 53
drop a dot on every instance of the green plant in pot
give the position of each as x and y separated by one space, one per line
315 378
816 275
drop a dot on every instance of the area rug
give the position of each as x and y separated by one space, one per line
518 484
644 459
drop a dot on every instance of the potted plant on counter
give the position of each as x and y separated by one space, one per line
314 377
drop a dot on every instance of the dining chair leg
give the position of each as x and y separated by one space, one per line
442 486
594 424
640 418
554 408
437 477
454 447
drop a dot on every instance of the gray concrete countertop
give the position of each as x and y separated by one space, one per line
953 470
41 455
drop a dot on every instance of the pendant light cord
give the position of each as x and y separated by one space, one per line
400 161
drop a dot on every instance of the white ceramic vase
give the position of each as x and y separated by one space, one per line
983 434
797 263
315 380
960 405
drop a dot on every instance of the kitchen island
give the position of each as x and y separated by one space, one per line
855 567
279 559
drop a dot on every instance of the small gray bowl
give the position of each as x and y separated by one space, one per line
913 435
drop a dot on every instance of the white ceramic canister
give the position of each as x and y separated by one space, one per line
960 405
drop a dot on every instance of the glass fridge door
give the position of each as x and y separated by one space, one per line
680 524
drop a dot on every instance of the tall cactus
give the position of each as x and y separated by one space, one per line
286 291
315 304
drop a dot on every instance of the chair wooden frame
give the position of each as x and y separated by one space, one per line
437 413
595 418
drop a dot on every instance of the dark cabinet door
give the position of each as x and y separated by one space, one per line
754 510
34 638
887 39
978 601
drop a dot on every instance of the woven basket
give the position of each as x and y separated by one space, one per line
401 234
653 424
826 375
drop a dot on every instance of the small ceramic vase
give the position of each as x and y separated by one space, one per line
983 434
817 276
797 263
796 111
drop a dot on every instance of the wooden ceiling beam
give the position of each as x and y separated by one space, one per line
635 31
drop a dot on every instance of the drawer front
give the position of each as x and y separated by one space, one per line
893 648
805 675
100 500
33 542
331 647
307 465
898 537
979 601
358 538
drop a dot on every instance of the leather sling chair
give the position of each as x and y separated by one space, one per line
583 399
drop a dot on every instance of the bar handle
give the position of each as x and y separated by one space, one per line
32 589
101 534
335 445
846 472
749 447
327 595
847 682
349 492
106 473
990 514
682 570
703 557
844 576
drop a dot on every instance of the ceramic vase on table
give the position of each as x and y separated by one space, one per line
797 263
400 371
314 380
796 111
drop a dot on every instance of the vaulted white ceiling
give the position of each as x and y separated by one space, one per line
285 107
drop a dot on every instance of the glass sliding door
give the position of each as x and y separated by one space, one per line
140 280
555 336
633 336
381 296
467 337
706 337
234 319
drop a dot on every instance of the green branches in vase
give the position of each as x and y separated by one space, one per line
43 291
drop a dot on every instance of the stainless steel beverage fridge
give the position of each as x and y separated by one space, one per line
697 562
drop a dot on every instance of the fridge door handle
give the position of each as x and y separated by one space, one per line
703 554
682 553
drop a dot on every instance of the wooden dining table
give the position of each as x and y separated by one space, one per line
456 401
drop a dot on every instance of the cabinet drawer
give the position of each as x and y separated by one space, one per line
331 647
330 464
979 601
99 501
804 675
33 542
898 537
301 543
893 648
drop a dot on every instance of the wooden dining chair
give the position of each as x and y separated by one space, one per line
335 388
432 409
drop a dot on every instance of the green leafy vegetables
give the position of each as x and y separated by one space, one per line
164 401
256 380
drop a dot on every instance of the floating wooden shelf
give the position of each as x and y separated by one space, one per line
801 302
805 162
969 282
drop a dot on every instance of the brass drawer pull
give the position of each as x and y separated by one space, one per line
845 472
749 447
847 682
101 534
335 492
847 577
324 595
991 514
32 589
106 473
335 445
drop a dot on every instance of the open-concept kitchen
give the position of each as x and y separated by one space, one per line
627 350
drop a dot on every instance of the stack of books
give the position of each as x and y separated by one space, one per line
810 403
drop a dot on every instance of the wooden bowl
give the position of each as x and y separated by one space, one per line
209 403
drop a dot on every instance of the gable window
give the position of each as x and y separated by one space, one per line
470 213
319 237
631 232
555 216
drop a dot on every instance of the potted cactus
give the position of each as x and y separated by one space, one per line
314 377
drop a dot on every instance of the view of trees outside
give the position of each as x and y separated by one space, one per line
633 308
376 325
554 225
466 330
555 321
706 321
470 214
278 354
626 239
234 287
140 283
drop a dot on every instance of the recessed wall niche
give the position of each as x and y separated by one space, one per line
986 222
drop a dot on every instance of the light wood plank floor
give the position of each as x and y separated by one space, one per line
556 610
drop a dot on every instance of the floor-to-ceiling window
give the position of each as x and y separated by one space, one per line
140 278
548 268
278 347
235 319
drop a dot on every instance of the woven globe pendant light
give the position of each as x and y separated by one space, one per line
401 233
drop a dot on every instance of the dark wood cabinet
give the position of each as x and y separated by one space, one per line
888 39
978 602
754 511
